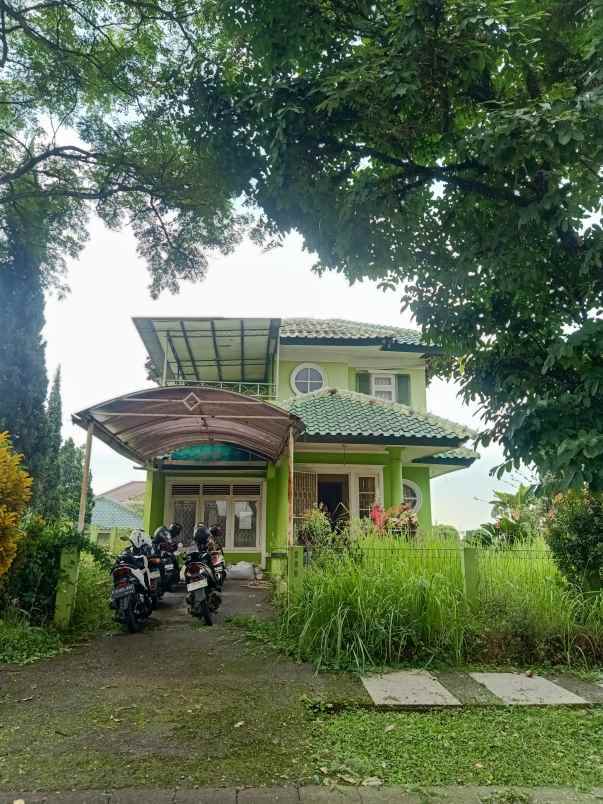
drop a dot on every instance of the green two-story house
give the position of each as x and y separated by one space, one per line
254 421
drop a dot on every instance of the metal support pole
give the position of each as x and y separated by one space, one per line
81 523
290 489
165 363
70 556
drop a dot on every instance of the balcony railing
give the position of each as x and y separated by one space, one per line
261 390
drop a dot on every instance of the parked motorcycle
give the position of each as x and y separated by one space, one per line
131 596
217 556
202 588
165 548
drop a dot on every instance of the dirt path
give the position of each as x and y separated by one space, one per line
153 708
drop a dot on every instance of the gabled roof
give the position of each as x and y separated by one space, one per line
110 514
337 331
127 491
334 415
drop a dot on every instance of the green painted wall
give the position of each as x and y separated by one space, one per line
372 459
342 375
336 375
154 497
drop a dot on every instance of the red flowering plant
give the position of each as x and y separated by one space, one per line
399 519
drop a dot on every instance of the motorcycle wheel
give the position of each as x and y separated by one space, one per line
133 624
203 612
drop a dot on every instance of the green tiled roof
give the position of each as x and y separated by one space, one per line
462 456
302 330
332 415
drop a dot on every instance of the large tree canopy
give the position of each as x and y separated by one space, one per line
84 122
451 147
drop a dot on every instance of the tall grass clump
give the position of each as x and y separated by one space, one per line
91 611
527 611
385 601
378 603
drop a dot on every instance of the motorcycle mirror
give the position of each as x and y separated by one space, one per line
124 538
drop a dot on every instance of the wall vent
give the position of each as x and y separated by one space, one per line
215 489
249 490
185 489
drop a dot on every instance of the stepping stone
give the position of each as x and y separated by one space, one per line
408 688
515 688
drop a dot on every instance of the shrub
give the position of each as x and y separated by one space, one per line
91 612
574 532
448 532
15 493
32 581
399 519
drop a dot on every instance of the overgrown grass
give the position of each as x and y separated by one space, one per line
22 643
92 612
387 603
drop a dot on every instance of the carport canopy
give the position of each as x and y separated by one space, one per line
150 424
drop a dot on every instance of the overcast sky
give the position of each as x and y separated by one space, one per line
90 333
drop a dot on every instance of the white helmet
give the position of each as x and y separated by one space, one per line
138 538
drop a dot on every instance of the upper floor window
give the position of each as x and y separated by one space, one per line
390 387
306 378
383 386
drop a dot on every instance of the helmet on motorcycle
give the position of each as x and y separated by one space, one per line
161 534
175 530
202 536
138 538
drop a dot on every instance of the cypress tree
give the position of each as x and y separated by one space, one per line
50 501
23 379
71 459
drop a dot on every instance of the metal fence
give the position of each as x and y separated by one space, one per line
482 574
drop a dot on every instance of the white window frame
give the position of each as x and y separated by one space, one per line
181 498
417 491
260 546
299 368
392 378
353 474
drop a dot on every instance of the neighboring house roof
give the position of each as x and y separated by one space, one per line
337 331
127 491
334 415
462 456
110 514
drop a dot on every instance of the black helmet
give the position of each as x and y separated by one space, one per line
161 534
202 535
175 530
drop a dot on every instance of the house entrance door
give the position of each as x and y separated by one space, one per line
334 494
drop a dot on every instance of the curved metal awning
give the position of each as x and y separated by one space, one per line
151 423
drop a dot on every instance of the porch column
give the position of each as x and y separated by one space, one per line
395 475
154 498
278 562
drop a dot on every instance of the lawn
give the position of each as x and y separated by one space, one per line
476 746
151 710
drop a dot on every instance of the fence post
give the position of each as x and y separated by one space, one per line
470 566
295 567
67 586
